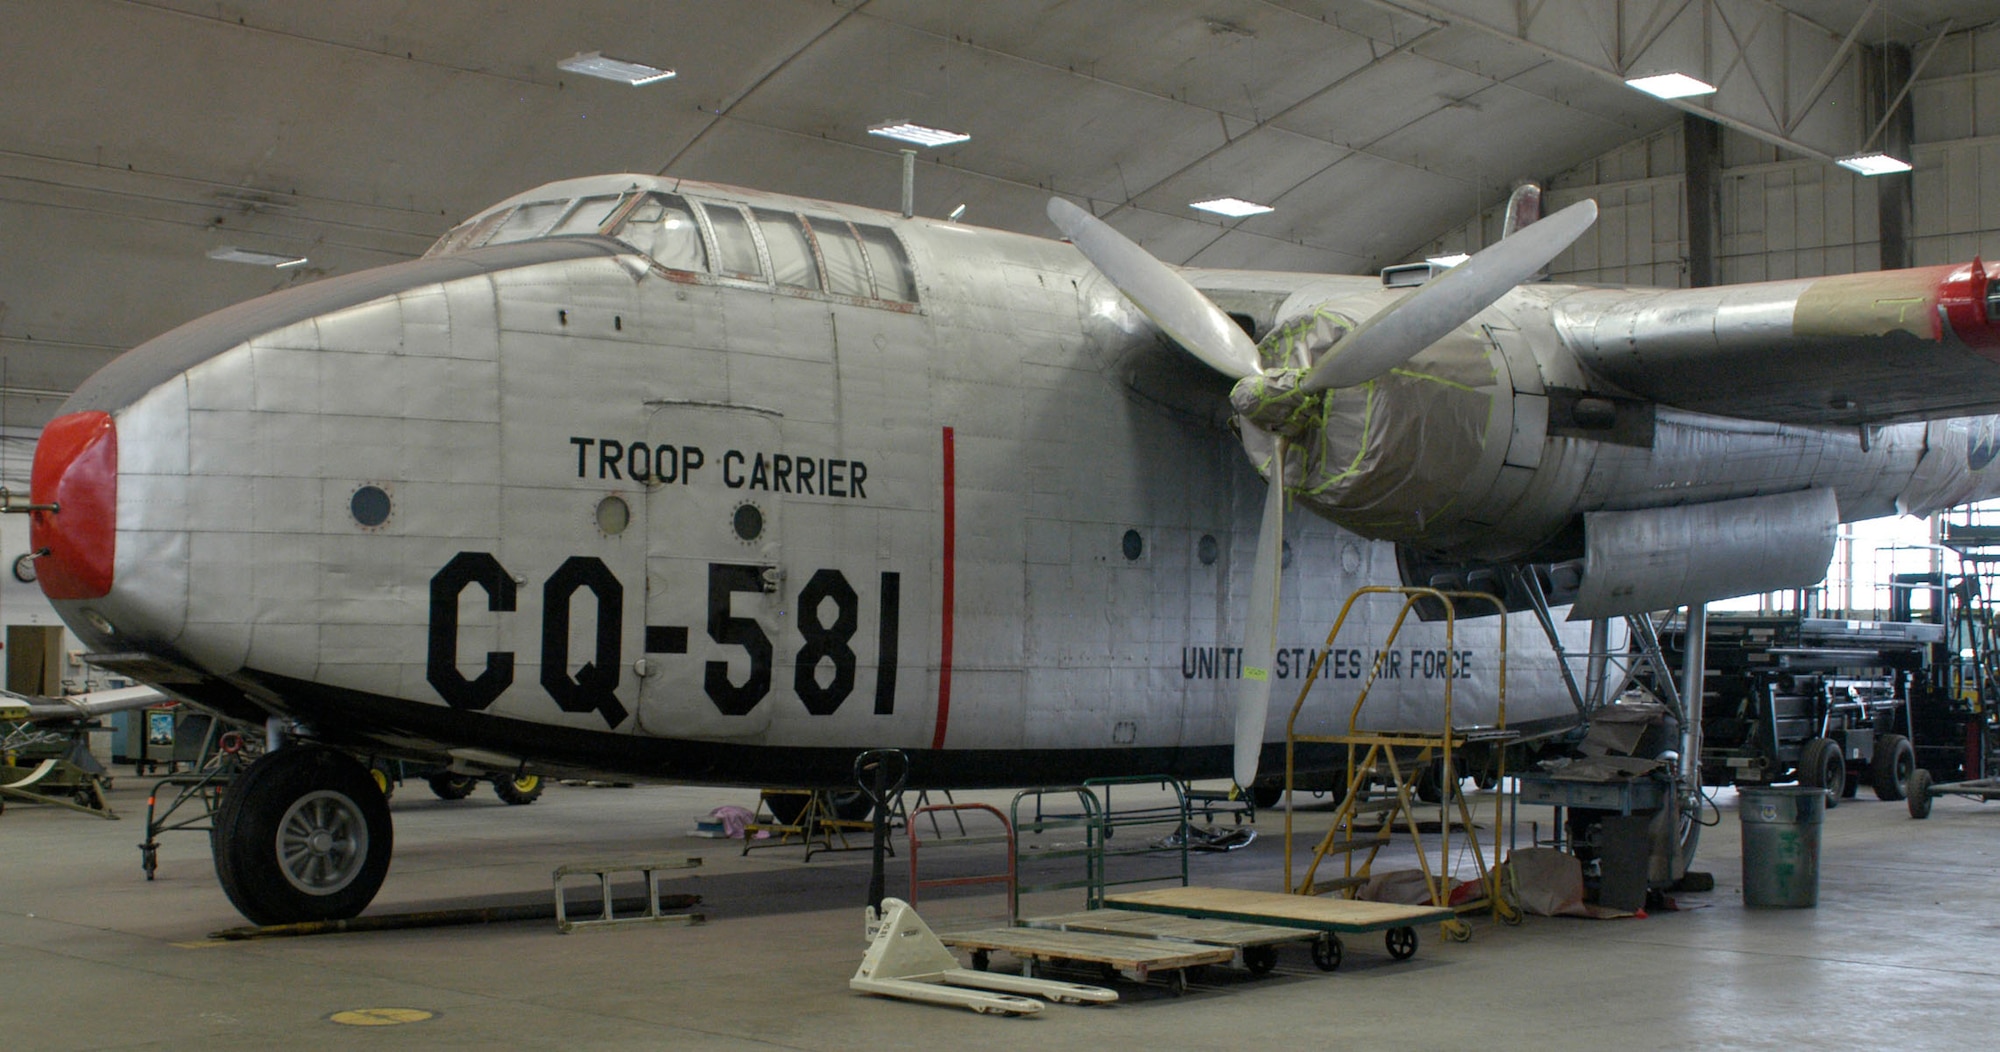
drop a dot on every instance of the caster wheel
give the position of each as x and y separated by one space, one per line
1260 959
1326 952
1402 942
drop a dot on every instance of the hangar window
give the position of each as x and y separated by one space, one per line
846 267
890 264
588 217
735 246
664 228
791 251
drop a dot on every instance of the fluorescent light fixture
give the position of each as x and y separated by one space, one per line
1873 164
232 254
1671 86
598 64
1233 207
1447 261
909 131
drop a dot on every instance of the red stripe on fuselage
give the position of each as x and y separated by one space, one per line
950 550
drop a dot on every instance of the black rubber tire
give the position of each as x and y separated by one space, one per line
1918 793
1264 798
1260 959
1402 942
452 786
1327 952
524 789
264 803
1822 767
1895 760
1430 784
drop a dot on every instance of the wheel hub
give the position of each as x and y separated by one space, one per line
322 842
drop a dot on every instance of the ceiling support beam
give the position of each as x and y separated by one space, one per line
1832 66
1701 154
1895 194
1781 77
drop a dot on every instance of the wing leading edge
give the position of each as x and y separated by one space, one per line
1844 350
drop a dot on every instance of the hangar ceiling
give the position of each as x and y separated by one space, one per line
139 135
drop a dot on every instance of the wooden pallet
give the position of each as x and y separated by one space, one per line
1171 927
1145 958
1342 916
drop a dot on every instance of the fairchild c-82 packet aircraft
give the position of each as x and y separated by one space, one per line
683 481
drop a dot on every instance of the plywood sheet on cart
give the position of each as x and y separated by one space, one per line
1169 926
1278 908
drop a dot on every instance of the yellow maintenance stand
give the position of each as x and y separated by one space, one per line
1405 754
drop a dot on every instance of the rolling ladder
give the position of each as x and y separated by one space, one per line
1406 755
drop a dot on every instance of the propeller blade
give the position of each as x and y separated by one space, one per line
1178 308
1407 326
1253 691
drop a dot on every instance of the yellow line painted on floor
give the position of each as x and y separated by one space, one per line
380 1016
199 944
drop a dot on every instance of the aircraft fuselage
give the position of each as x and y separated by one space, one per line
548 502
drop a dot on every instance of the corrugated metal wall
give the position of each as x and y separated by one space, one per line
1784 218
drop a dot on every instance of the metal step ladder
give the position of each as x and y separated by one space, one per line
1405 756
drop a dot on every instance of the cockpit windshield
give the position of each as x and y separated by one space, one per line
569 217
662 227
736 243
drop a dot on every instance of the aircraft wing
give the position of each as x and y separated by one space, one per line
1845 350
76 707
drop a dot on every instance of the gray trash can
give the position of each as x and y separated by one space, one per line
1781 845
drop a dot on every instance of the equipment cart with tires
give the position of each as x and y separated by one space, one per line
1819 701
1922 790
1330 917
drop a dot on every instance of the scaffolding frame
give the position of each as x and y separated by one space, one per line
1367 750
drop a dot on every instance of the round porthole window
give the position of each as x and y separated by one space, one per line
1207 550
613 515
748 522
370 506
1134 546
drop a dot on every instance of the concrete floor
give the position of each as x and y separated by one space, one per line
1903 950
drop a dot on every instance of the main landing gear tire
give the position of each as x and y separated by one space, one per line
522 789
452 786
302 835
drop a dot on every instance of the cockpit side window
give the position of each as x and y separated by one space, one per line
735 246
846 268
664 228
791 251
528 221
891 265
587 217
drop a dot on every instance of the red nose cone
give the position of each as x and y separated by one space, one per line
76 469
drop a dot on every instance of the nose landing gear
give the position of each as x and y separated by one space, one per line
302 835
